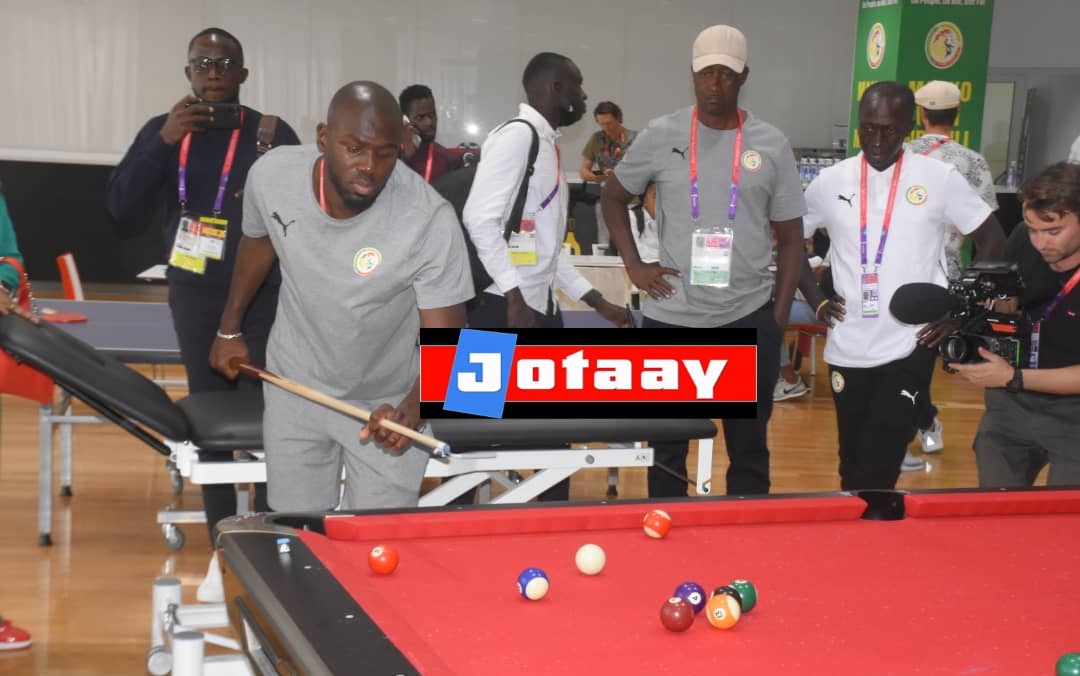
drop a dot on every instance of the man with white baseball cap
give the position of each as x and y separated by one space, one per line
938 107
725 179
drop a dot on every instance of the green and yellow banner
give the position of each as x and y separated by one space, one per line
915 41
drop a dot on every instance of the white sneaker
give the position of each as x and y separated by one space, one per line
212 589
785 390
933 439
911 463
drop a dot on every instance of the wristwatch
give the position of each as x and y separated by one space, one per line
1017 382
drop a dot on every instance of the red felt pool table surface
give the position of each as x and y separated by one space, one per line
967 583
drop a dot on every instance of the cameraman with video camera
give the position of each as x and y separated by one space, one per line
1033 414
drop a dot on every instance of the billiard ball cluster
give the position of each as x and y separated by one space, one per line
723 608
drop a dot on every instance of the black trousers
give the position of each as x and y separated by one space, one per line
877 411
927 410
196 312
488 311
746 440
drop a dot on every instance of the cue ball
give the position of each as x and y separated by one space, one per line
383 559
533 584
676 614
657 523
590 559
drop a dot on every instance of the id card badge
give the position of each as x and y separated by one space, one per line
870 295
1033 359
212 237
185 252
710 257
523 244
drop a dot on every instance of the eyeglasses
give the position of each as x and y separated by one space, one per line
224 65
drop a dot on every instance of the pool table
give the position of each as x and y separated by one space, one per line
964 582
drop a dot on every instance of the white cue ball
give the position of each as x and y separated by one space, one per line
590 559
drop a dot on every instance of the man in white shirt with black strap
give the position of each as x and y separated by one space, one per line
525 269
886 212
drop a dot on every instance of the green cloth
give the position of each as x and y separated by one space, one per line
8 247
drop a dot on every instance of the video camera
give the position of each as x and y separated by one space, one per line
1003 334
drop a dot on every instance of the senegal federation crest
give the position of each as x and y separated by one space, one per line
837 382
944 44
366 260
916 195
875 46
751 160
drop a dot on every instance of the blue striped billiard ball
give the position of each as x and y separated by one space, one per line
533 584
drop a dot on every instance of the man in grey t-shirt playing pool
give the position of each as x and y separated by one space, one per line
369 254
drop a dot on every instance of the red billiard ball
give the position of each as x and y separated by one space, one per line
383 559
657 523
676 614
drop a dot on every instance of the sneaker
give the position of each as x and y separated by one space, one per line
11 637
785 390
212 589
912 463
933 439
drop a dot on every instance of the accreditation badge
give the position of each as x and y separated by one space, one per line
710 257
186 253
523 244
871 298
212 237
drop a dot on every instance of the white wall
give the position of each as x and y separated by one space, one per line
88 73
83 75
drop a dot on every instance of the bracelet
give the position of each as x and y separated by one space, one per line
817 312
228 336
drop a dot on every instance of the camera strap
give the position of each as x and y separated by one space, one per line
226 168
1036 327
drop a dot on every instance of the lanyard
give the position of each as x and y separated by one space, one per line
888 211
695 195
430 157
226 168
937 144
610 143
322 181
558 180
1065 291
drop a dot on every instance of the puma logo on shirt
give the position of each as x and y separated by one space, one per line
284 225
846 199
909 395
680 153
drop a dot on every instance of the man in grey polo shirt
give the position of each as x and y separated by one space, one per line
369 254
715 243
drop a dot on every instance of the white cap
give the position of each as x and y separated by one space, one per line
938 95
720 45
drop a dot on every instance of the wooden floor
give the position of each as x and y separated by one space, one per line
86 599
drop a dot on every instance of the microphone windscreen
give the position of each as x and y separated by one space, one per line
921 303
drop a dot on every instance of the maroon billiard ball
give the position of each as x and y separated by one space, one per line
676 614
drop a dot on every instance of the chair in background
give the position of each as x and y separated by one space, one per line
69 277
806 342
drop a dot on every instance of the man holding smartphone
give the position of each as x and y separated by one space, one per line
198 155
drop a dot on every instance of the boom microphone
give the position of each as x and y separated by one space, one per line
922 303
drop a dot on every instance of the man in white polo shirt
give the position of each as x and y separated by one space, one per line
886 211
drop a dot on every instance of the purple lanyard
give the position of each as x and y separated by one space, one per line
886 221
558 180
226 169
695 193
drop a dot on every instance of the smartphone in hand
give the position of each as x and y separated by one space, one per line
226 116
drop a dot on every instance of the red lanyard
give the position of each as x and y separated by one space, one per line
888 211
558 180
695 194
610 142
937 144
322 181
1065 291
226 169
430 157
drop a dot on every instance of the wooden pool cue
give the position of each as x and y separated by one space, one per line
439 449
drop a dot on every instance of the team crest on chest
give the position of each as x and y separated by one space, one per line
366 261
837 382
916 195
751 160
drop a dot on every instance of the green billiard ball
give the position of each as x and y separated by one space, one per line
1068 665
747 593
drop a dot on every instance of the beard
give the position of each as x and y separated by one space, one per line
354 202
